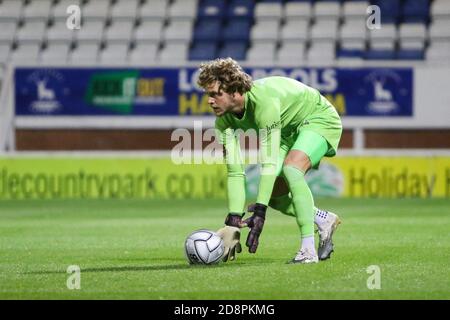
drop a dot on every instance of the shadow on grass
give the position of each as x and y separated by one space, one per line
180 266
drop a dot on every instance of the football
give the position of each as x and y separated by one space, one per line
203 247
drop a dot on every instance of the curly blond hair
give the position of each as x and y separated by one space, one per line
228 72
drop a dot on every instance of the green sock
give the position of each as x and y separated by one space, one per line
302 199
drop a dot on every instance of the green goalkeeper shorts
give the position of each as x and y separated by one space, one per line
313 144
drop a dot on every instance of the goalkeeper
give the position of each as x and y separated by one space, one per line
297 127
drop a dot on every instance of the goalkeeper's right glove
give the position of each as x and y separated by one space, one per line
231 235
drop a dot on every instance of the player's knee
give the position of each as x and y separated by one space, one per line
297 159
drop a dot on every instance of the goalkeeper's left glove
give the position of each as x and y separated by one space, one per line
231 235
256 224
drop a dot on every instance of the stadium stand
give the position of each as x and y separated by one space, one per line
256 31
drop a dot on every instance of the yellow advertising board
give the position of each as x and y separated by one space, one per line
121 178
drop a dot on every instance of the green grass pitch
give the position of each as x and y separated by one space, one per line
134 250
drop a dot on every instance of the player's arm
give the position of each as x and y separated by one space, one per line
268 119
230 233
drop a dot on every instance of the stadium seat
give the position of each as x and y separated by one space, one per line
176 52
59 10
321 52
261 53
119 30
440 9
327 10
207 29
291 52
203 50
295 30
297 11
143 53
178 31
234 49
238 30
324 30
212 9
265 30
268 11
416 11
412 36
183 10
37 9
26 53
11 10
439 30
114 53
85 53
96 9
58 32
125 9
390 10
241 9
154 10
149 31
56 52
354 10
91 30
33 30
9 28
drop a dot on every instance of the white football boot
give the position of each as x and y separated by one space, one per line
326 230
304 256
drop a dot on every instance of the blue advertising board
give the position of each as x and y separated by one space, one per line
173 91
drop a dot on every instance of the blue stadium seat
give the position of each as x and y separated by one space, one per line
207 29
237 29
416 11
390 10
234 49
203 50
241 9
212 9
410 54
380 55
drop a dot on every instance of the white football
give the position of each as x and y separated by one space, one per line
203 247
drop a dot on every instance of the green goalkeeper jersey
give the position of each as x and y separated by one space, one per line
277 108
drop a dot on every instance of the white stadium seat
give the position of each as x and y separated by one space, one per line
11 9
324 30
174 52
37 9
8 28
178 30
91 30
143 53
154 10
183 10
327 10
149 31
26 53
57 52
297 11
266 30
59 10
96 9
268 11
291 53
85 53
262 53
33 30
295 30
114 53
119 30
125 9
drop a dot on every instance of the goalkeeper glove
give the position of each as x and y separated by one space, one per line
231 235
256 224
